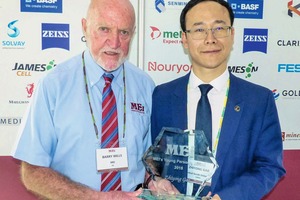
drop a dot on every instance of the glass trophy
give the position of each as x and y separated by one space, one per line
183 158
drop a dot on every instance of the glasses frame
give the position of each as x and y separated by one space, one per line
205 30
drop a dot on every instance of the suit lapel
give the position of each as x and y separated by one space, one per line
233 113
179 103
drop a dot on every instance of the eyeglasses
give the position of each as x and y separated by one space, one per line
201 33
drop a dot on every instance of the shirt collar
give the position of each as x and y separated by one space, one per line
95 72
219 83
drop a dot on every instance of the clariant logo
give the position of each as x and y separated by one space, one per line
55 36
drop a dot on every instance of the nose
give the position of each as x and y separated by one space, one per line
114 40
210 38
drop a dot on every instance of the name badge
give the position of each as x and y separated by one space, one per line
112 159
199 172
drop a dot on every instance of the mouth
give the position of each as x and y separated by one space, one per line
111 53
212 51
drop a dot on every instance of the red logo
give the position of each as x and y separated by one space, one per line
29 90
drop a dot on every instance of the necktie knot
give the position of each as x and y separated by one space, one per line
205 88
108 78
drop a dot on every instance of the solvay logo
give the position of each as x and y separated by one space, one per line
155 33
55 36
255 40
160 6
13 31
293 8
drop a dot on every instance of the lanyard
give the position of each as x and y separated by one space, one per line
214 150
89 99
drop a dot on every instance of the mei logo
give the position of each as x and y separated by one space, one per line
55 36
137 107
255 40
294 8
160 6
247 9
155 33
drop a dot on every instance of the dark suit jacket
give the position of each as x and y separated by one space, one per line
249 152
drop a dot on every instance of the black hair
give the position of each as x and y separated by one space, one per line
193 3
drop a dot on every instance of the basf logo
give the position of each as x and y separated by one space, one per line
250 9
44 6
13 32
167 37
293 9
255 40
55 36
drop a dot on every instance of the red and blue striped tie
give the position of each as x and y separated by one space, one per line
109 138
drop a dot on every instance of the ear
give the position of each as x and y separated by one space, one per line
184 40
83 26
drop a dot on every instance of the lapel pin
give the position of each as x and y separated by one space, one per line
237 108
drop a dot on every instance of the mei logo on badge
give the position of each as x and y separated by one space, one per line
137 107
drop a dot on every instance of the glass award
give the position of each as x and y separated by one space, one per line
183 158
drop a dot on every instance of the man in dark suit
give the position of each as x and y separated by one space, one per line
246 134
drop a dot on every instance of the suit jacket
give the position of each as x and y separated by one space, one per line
249 153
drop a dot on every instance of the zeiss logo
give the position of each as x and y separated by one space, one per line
247 8
255 40
55 36
45 6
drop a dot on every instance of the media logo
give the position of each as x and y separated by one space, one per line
55 36
44 6
289 67
293 8
168 37
290 136
10 121
137 107
13 32
248 70
247 8
255 40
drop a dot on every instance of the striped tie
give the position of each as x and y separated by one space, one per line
109 139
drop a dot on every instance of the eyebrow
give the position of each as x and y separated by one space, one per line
215 22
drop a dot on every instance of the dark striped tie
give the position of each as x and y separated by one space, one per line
109 138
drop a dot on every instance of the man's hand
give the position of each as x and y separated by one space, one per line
162 186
